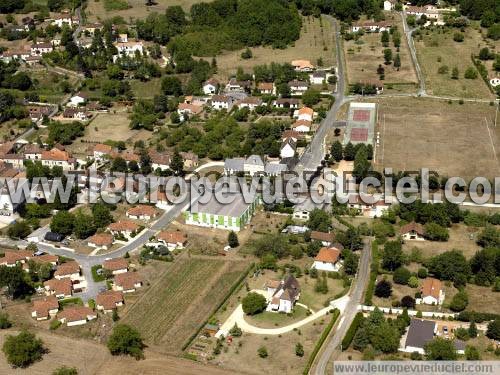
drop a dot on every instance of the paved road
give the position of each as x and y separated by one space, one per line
413 52
315 152
332 344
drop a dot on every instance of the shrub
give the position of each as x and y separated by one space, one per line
254 303
63 370
458 37
401 275
459 301
413 282
383 289
4 321
422 273
470 73
351 332
126 340
55 324
262 352
23 349
408 301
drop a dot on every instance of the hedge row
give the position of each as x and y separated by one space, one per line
349 336
235 286
478 317
335 314
373 275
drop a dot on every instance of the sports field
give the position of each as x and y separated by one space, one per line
452 139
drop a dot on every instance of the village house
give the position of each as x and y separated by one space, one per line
266 88
253 165
116 265
298 87
8 56
142 212
327 259
32 151
325 238
211 86
61 19
186 110
13 258
367 209
291 103
60 288
76 315
302 65
127 282
92 27
128 48
371 26
123 228
302 126
77 99
293 134
412 231
318 77
101 241
159 160
45 308
109 300
430 11
238 86
389 5
60 158
32 60
101 152
190 159
41 48
250 102
288 148
173 240
283 294
420 332
53 260
76 113
38 112
222 102
305 113
69 270
432 292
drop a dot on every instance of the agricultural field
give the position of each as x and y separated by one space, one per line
197 286
482 299
437 53
317 40
416 133
130 10
365 55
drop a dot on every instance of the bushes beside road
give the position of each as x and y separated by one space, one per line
349 336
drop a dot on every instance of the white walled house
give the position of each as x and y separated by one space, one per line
77 99
389 5
412 231
298 87
288 148
282 295
221 102
210 86
432 292
327 260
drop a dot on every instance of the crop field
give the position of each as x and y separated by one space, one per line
181 300
365 55
452 139
130 10
317 40
437 50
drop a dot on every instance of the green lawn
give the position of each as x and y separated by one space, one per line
146 90
269 319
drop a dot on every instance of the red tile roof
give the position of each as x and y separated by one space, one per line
101 239
109 299
12 257
431 287
63 286
172 237
127 280
68 268
321 236
412 227
328 255
43 305
115 264
142 210
123 226
76 313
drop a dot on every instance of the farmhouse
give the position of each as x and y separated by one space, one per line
77 99
109 300
159 160
127 282
172 239
412 231
318 78
45 308
101 152
361 121
76 315
210 86
129 48
371 26
367 209
305 113
77 114
430 11
41 48
101 241
253 165
185 110
38 112
302 126
302 65
190 159
142 212
61 19
233 215
116 265
61 288
327 260
432 292
283 294
325 238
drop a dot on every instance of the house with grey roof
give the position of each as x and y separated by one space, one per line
275 169
234 166
232 213
283 294
253 165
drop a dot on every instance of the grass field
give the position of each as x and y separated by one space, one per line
365 55
145 90
452 139
482 299
104 9
181 300
438 49
317 40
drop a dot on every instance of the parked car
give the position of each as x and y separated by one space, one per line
54 237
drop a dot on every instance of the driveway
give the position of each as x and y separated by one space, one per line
238 317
